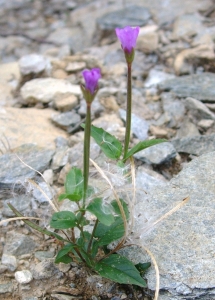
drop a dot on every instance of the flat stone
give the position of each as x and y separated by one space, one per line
198 86
13 170
28 126
23 276
157 154
183 243
196 145
18 244
46 90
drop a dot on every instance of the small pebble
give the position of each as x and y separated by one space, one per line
24 276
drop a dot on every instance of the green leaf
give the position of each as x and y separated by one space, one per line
143 267
74 185
109 234
108 143
143 145
102 211
119 269
63 220
63 256
116 208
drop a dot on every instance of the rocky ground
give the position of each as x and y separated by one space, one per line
44 46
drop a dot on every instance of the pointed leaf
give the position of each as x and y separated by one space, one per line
143 145
119 269
101 211
63 220
108 143
74 185
63 256
109 234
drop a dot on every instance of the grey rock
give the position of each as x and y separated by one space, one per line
2 268
198 109
6 288
60 158
34 63
145 181
198 86
46 90
21 203
67 120
196 145
39 196
183 244
18 244
158 154
23 276
13 170
9 261
187 129
156 76
139 126
61 142
187 26
174 108
45 269
42 255
132 15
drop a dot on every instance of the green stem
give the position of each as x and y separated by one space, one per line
86 163
92 235
128 111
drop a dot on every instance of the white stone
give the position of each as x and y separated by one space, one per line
24 276
46 90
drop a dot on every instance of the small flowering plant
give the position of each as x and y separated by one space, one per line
110 218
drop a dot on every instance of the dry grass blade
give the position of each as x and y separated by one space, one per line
156 271
44 194
17 218
115 195
169 213
55 208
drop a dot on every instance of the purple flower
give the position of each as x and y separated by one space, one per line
91 78
128 37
